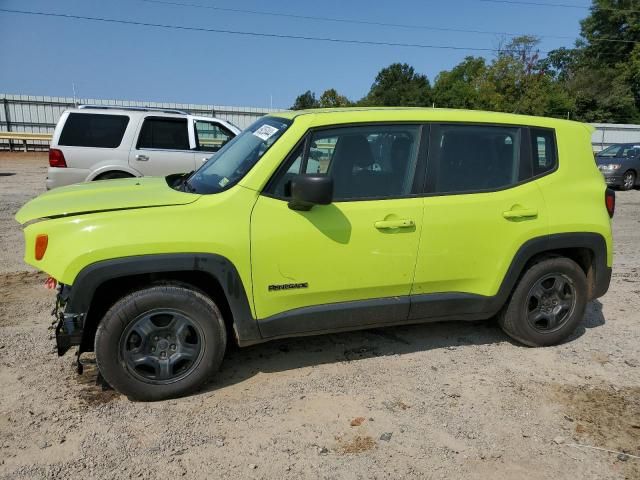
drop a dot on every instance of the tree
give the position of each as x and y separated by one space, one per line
305 100
516 81
602 74
331 98
464 86
399 85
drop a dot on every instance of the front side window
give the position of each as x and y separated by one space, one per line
237 157
93 130
210 136
472 158
630 151
164 134
373 161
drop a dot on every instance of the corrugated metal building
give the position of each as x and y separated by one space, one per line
39 114
609 133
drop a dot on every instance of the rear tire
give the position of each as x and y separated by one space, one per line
112 175
547 304
160 342
628 180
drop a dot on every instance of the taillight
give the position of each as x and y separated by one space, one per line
610 201
56 158
41 246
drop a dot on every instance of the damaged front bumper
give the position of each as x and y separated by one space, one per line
70 326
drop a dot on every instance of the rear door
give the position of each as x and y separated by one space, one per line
482 204
162 147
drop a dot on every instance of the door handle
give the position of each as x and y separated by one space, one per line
400 223
520 213
142 158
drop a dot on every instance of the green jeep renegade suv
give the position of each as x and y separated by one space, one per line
322 221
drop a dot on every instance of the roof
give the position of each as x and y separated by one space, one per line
353 114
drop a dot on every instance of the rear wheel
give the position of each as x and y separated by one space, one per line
160 342
112 175
628 180
547 304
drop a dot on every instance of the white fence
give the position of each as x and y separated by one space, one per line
39 114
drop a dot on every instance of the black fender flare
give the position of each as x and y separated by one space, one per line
593 242
86 283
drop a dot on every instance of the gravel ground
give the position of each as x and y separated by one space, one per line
448 400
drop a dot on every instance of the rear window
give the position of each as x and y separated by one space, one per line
93 130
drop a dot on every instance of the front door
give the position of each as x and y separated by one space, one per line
360 249
162 147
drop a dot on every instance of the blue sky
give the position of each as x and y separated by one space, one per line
146 63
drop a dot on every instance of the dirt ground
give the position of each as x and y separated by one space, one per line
447 400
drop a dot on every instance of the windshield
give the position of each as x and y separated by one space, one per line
236 158
609 151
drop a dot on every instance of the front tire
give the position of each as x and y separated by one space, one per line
547 304
628 180
160 342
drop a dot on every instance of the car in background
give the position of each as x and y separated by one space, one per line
620 164
105 142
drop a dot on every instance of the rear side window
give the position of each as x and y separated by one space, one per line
93 130
543 149
164 134
472 158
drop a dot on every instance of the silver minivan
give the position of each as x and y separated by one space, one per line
99 142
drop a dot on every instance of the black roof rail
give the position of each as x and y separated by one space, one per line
137 109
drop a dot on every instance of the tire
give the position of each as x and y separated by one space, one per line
112 175
160 342
628 180
529 316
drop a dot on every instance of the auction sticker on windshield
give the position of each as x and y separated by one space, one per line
265 132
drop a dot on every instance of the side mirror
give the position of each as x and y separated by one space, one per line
310 189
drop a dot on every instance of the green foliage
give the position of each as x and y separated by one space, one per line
399 85
331 98
305 100
596 81
602 74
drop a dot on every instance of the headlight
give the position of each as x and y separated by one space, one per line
609 167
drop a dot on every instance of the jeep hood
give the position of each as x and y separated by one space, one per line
104 195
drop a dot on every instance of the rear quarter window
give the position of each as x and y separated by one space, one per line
93 130
543 150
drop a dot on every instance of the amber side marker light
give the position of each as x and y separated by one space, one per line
41 246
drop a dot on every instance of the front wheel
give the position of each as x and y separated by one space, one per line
547 304
160 342
628 180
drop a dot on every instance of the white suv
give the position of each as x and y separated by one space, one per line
100 142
